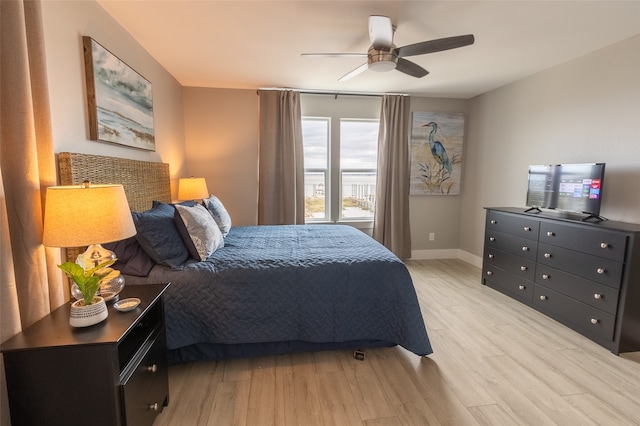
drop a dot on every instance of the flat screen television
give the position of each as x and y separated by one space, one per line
568 187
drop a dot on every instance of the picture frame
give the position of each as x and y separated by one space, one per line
437 142
120 101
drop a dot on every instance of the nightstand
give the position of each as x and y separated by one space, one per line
111 373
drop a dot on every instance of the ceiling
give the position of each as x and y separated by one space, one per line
252 44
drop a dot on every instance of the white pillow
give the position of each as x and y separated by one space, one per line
198 230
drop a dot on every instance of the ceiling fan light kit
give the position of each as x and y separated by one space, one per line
384 56
381 60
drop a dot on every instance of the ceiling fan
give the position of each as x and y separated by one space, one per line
383 55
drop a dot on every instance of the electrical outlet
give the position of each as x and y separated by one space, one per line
432 236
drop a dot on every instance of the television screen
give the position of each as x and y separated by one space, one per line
567 187
541 191
580 187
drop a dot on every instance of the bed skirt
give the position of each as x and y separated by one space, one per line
212 351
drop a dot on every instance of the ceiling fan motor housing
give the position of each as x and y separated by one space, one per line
382 60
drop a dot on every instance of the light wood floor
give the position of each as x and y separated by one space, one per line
495 362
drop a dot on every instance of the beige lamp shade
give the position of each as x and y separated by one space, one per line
82 215
192 189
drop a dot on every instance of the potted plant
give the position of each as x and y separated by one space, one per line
90 309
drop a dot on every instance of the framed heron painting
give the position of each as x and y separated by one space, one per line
437 141
120 100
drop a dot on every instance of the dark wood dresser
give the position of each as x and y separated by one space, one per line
582 274
112 373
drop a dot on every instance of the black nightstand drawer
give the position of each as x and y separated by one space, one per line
145 393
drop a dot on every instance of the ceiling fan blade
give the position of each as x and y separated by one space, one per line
411 68
438 45
355 72
380 31
336 55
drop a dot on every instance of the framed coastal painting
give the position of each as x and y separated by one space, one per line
437 141
120 100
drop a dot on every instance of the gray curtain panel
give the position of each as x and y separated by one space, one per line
391 219
281 174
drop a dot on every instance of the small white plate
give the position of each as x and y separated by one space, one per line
125 305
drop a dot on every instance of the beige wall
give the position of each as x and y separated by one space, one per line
221 128
437 214
65 22
586 110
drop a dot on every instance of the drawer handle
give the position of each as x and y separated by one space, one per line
601 270
521 287
551 234
543 297
523 268
594 321
493 221
597 296
604 245
545 277
527 228
525 248
154 406
492 238
490 256
547 255
152 368
489 273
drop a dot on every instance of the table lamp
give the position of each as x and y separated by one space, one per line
88 215
192 189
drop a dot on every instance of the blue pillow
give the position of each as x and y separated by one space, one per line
132 259
219 213
200 233
159 237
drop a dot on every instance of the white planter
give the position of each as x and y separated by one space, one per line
84 316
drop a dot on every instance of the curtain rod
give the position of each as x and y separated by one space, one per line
334 93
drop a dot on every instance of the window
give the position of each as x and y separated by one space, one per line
340 172
315 140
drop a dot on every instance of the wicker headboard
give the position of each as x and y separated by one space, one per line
143 181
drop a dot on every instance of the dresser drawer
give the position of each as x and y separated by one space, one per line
610 245
592 322
517 226
507 283
597 295
146 391
521 247
518 266
594 268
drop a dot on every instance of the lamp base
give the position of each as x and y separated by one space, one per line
82 315
92 257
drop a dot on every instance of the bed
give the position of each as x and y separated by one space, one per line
264 290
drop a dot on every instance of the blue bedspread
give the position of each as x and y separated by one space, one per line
309 283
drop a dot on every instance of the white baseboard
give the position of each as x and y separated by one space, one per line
471 258
447 254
